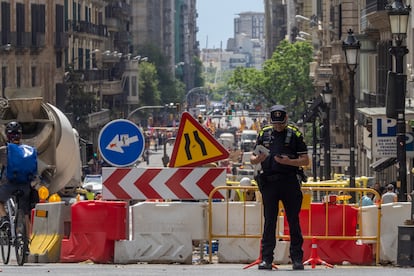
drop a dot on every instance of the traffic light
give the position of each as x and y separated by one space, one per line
178 107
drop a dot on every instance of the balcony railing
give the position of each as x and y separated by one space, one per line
375 5
20 40
61 40
122 36
111 88
94 74
86 27
120 9
37 41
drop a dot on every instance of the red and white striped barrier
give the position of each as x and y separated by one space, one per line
162 183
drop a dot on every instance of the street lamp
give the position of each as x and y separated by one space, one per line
311 116
398 14
351 48
327 99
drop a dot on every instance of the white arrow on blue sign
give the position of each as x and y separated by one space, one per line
121 143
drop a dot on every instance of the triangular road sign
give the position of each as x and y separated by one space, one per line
194 145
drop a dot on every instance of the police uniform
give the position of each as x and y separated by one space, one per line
280 182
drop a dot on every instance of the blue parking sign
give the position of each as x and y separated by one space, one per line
121 143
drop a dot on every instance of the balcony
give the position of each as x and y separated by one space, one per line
374 15
122 37
98 119
20 40
94 74
86 27
113 24
37 41
61 40
120 9
110 88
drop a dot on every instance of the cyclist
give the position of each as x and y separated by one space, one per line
26 165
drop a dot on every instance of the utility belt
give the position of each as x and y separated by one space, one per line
270 176
274 176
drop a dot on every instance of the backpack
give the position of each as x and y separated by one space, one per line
21 163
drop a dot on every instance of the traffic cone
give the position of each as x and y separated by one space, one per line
314 258
259 259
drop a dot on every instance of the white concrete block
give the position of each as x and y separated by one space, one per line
392 215
155 248
243 250
237 213
170 217
247 250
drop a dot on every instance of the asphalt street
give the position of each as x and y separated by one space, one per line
63 269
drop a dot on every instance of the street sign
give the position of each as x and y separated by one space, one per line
162 183
339 157
384 137
121 143
194 145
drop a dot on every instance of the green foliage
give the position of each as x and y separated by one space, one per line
284 78
171 90
198 72
148 84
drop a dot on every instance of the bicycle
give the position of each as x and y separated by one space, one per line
16 233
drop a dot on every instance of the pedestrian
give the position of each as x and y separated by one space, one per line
245 195
278 180
390 196
367 199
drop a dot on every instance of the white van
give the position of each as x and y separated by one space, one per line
248 140
202 108
227 138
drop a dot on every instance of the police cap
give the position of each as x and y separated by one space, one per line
278 114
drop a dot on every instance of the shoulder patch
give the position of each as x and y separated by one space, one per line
295 130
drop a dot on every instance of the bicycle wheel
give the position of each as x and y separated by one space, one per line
21 241
5 245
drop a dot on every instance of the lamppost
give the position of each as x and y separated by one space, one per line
327 99
310 117
351 48
398 14
190 92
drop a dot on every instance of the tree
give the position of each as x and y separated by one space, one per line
170 91
284 78
148 84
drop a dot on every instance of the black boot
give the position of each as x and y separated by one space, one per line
265 265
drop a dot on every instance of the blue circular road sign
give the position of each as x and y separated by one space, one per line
121 143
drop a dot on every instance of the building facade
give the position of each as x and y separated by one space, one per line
32 45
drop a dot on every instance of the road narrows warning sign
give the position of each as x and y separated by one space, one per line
195 145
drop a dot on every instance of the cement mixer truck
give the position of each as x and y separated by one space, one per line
49 130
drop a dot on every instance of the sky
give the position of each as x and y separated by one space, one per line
215 19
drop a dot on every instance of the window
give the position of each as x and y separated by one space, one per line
18 77
3 79
134 87
20 24
38 22
33 76
5 23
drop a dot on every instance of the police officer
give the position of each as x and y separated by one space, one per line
278 181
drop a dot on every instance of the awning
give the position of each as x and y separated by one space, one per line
383 163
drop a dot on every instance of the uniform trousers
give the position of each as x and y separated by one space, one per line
284 187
